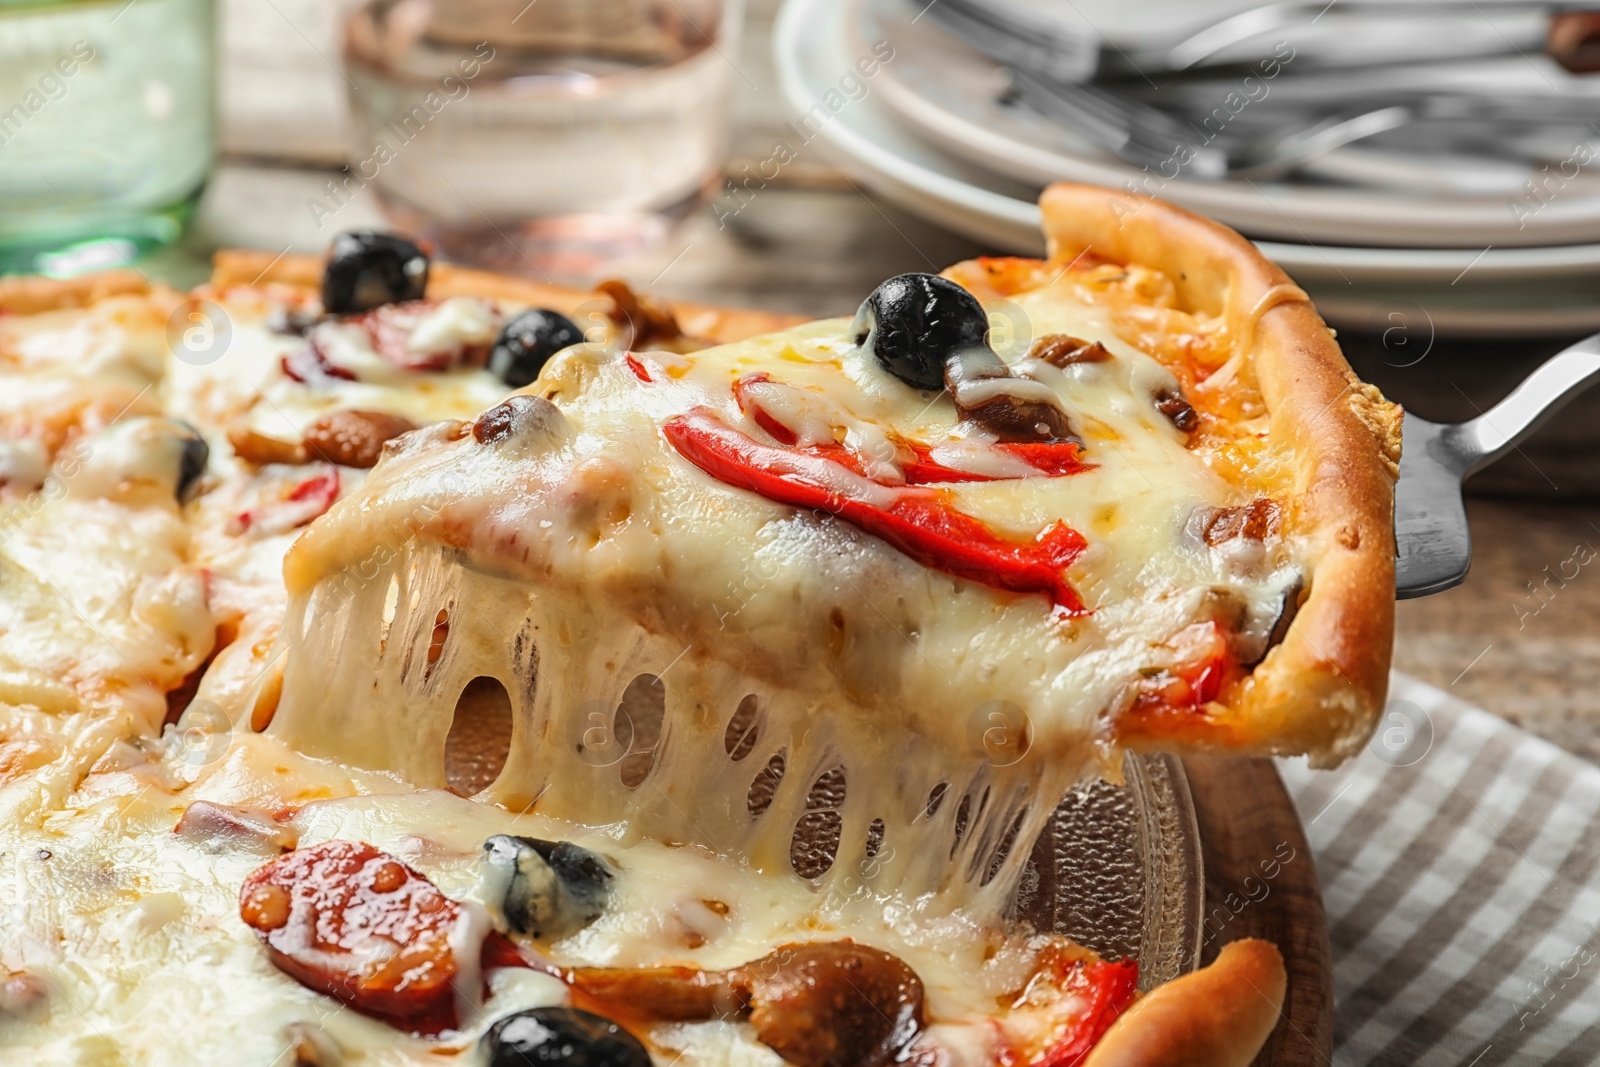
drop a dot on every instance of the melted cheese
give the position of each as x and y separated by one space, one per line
583 551
134 929
564 561
68 373
247 385
98 606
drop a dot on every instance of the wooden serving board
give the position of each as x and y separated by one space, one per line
1261 881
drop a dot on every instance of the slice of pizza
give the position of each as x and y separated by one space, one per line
1156 516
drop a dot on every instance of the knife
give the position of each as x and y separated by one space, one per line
1433 547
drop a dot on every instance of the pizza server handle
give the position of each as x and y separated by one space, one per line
1433 546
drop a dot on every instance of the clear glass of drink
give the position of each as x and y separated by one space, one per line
549 137
107 128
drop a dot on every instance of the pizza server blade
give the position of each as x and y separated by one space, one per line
1433 547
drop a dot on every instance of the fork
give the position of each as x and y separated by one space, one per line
1018 38
1203 47
1433 546
1066 52
1146 136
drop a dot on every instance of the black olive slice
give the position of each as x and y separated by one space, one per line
546 889
527 342
561 1037
192 462
914 323
367 270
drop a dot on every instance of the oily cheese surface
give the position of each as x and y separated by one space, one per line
123 940
603 501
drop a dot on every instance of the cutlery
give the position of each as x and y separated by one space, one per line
1149 137
1274 137
1020 39
1433 546
1362 33
1313 96
1566 31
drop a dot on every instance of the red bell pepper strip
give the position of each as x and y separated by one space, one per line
923 469
1192 685
1109 988
752 407
1052 458
640 371
919 522
323 488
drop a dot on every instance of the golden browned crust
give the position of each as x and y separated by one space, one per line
1320 691
1218 1016
246 266
719 325
29 295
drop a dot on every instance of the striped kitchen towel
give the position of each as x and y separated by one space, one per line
1460 863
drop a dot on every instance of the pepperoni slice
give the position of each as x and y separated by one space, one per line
305 501
350 921
310 366
390 328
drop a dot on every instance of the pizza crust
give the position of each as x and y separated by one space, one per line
233 267
29 295
1218 1016
1319 692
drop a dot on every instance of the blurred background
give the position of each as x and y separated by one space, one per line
1429 170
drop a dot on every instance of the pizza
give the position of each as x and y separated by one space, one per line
405 664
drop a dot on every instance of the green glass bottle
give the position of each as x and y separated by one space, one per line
107 129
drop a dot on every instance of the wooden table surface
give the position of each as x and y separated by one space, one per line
1521 637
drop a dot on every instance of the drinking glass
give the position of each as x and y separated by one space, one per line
548 137
106 128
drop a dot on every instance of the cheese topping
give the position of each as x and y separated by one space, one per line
141 943
774 723
569 550
98 607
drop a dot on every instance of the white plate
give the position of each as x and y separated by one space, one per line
947 92
1503 291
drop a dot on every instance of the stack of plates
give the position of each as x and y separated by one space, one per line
1451 253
